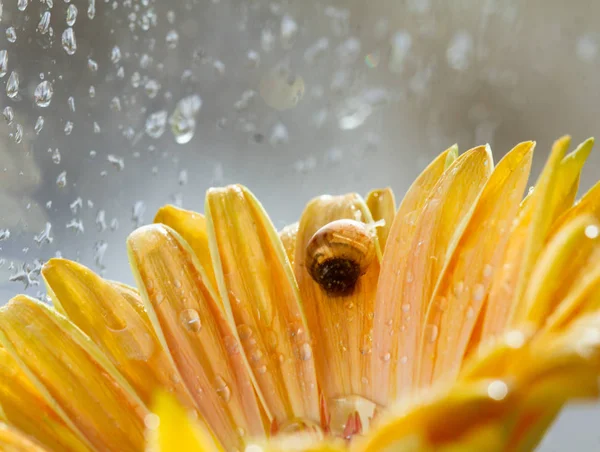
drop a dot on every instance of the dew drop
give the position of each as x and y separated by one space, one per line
592 231
222 389
231 345
431 333
245 331
404 359
406 307
190 319
151 421
478 292
12 85
497 390
71 15
43 94
68 41
3 62
305 352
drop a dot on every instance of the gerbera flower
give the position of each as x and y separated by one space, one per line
464 319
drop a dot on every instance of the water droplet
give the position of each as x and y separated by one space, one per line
288 30
497 390
231 345
92 65
77 225
406 307
478 292
386 357
91 10
39 125
458 288
61 180
305 352
118 162
316 50
182 120
152 87
71 15
156 124
172 39
44 236
401 44
515 339
43 94
22 4
44 24
4 234
281 89
71 103
96 127
115 104
151 421
404 359
92 91
3 62
488 271
68 41
56 156
8 114
11 34
222 389
190 319
431 333
459 51
279 135
592 231
115 54
68 127
137 214
244 331
12 85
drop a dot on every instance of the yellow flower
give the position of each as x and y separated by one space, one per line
463 320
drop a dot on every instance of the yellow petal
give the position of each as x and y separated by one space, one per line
122 332
258 290
191 326
12 440
298 443
524 246
173 430
192 227
560 265
466 280
393 269
341 324
441 224
589 203
24 407
382 205
288 238
73 375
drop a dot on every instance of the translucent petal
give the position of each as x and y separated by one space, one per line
190 324
260 294
288 237
173 430
341 324
73 375
123 333
11 440
439 227
393 269
588 204
466 280
192 227
382 205
24 407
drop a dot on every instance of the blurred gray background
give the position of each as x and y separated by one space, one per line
154 101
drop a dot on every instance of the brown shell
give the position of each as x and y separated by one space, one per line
338 254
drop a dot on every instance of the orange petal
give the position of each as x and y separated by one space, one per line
342 323
122 332
73 375
260 294
466 280
191 326
24 407
440 225
393 269
589 203
11 440
192 227
524 246
382 205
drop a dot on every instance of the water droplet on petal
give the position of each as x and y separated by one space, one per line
231 345
592 231
497 390
190 319
222 388
305 352
431 333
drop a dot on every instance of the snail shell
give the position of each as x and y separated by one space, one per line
338 254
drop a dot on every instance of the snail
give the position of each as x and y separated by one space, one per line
338 254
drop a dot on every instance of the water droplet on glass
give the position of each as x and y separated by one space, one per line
190 319
172 39
96 127
156 124
8 114
18 134
92 91
152 87
68 41
68 127
497 390
44 236
71 103
43 93
431 333
401 44
117 162
44 23
137 215
288 29
56 156
71 15
61 180
3 62
253 59
12 85
182 120
39 125
279 135
22 4
100 248
459 51
11 34
77 225
222 389
91 10
4 234
183 177
115 54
